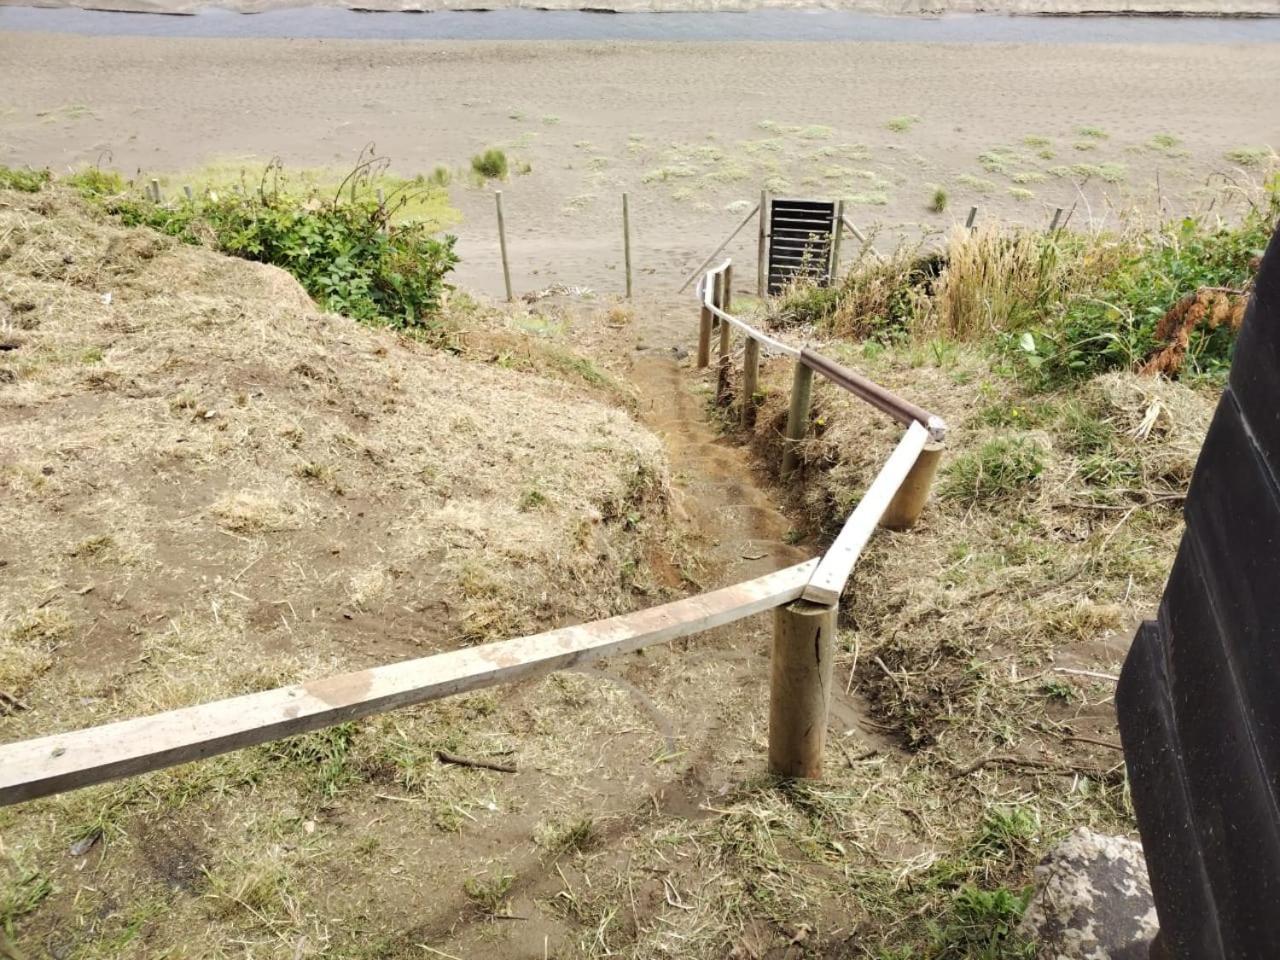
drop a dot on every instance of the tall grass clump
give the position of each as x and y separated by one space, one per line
878 298
994 280
491 165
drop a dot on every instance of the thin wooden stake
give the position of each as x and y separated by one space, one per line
502 245
155 190
800 688
973 215
835 239
1053 224
761 243
626 241
797 418
750 382
724 281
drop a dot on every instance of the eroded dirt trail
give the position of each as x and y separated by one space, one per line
744 531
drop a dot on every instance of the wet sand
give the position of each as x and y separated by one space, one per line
692 131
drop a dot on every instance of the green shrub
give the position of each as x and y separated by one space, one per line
492 164
26 179
939 202
999 468
1112 325
345 253
92 182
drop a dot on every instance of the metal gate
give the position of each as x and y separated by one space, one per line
801 233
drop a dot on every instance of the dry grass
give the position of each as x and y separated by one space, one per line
1048 539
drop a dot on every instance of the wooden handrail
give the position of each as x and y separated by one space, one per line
66 761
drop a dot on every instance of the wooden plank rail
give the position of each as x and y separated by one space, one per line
66 761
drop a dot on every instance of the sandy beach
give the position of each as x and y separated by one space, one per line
1199 8
692 131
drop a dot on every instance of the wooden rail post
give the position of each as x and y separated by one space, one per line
626 241
502 245
969 220
905 507
797 418
704 337
761 234
804 636
835 240
724 300
750 382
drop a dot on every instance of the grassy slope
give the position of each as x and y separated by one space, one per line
208 488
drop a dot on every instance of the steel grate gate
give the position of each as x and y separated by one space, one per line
800 239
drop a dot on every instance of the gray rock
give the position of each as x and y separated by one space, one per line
1092 901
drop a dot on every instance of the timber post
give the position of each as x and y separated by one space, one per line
723 301
797 418
907 504
502 246
761 241
750 382
804 636
704 336
626 241
835 241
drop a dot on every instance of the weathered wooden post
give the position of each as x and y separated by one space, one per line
905 507
797 418
155 190
502 245
724 301
804 637
187 190
1053 224
835 240
704 333
750 382
626 241
969 221
761 235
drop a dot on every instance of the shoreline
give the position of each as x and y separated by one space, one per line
894 9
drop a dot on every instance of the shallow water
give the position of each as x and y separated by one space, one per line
326 22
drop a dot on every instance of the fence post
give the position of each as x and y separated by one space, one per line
973 215
797 418
750 382
502 245
835 240
760 244
190 196
155 191
724 302
704 335
626 241
804 637
905 507
1053 224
